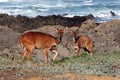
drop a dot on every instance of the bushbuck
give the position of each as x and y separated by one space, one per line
82 41
38 40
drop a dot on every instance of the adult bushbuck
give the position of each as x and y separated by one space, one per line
82 41
38 40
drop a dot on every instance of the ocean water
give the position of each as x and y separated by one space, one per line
32 8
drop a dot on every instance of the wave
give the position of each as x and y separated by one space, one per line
18 0
24 0
88 1
32 8
4 0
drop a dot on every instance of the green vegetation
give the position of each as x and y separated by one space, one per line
100 64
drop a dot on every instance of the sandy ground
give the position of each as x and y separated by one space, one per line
77 77
9 75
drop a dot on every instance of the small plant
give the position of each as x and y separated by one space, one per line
83 55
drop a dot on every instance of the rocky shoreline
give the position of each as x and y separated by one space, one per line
104 35
25 23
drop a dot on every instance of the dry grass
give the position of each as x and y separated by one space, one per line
107 64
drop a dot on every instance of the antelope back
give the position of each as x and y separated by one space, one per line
84 41
37 39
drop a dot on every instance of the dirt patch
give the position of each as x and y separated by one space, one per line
76 77
7 75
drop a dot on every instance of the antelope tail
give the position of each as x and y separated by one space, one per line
20 43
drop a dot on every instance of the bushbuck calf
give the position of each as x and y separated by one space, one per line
82 41
38 40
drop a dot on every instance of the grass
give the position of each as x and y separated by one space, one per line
101 64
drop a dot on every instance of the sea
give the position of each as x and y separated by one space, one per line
68 8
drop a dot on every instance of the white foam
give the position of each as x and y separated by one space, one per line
69 15
42 10
15 0
32 8
3 0
88 2
52 4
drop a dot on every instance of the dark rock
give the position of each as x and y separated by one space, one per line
23 23
90 16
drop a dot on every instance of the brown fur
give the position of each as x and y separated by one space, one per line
82 41
38 40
